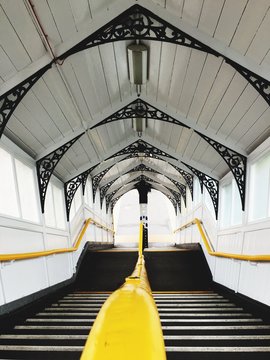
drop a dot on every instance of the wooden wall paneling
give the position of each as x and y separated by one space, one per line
7 68
259 46
259 129
257 109
24 27
208 75
175 136
181 62
48 22
35 127
12 44
192 11
229 20
241 106
196 65
61 105
154 59
110 71
23 137
120 47
210 14
63 18
230 98
222 82
76 90
81 12
175 7
39 112
252 19
167 60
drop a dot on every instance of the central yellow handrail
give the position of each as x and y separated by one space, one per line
32 255
212 252
128 325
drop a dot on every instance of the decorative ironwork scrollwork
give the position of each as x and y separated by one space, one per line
142 167
141 147
236 162
46 166
97 178
187 177
104 189
71 186
139 108
177 197
10 100
182 189
212 186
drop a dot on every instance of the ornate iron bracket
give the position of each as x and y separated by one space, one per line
97 178
139 23
139 108
10 100
182 189
141 147
212 186
104 189
236 162
46 166
142 167
177 197
71 186
187 177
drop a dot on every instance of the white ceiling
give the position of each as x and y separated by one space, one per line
192 85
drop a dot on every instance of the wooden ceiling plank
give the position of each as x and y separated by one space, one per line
249 25
63 18
230 97
12 44
155 50
229 20
122 68
81 12
7 69
222 82
192 11
210 14
210 72
24 27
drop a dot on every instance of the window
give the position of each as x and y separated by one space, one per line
259 207
9 201
27 192
230 205
197 196
54 207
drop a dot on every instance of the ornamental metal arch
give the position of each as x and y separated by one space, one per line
211 184
135 23
71 186
139 108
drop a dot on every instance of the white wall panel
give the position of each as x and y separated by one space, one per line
58 268
227 272
21 278
18 241
53 241
230 243
257 242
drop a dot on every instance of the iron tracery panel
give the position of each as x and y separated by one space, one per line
177 197
236 162
141 147
139 108
97 178
187 177
46 166
71 186
182 189
212 186
10 100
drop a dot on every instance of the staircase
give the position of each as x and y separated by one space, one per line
196 325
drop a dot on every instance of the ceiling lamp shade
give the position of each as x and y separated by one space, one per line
139 125
137 63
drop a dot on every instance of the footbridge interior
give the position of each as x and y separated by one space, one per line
135 173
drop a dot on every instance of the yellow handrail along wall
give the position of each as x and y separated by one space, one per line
128 325
24 256
212 252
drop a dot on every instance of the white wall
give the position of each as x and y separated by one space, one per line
21 233
247 236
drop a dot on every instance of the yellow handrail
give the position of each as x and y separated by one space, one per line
32 255
212 252
128 324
